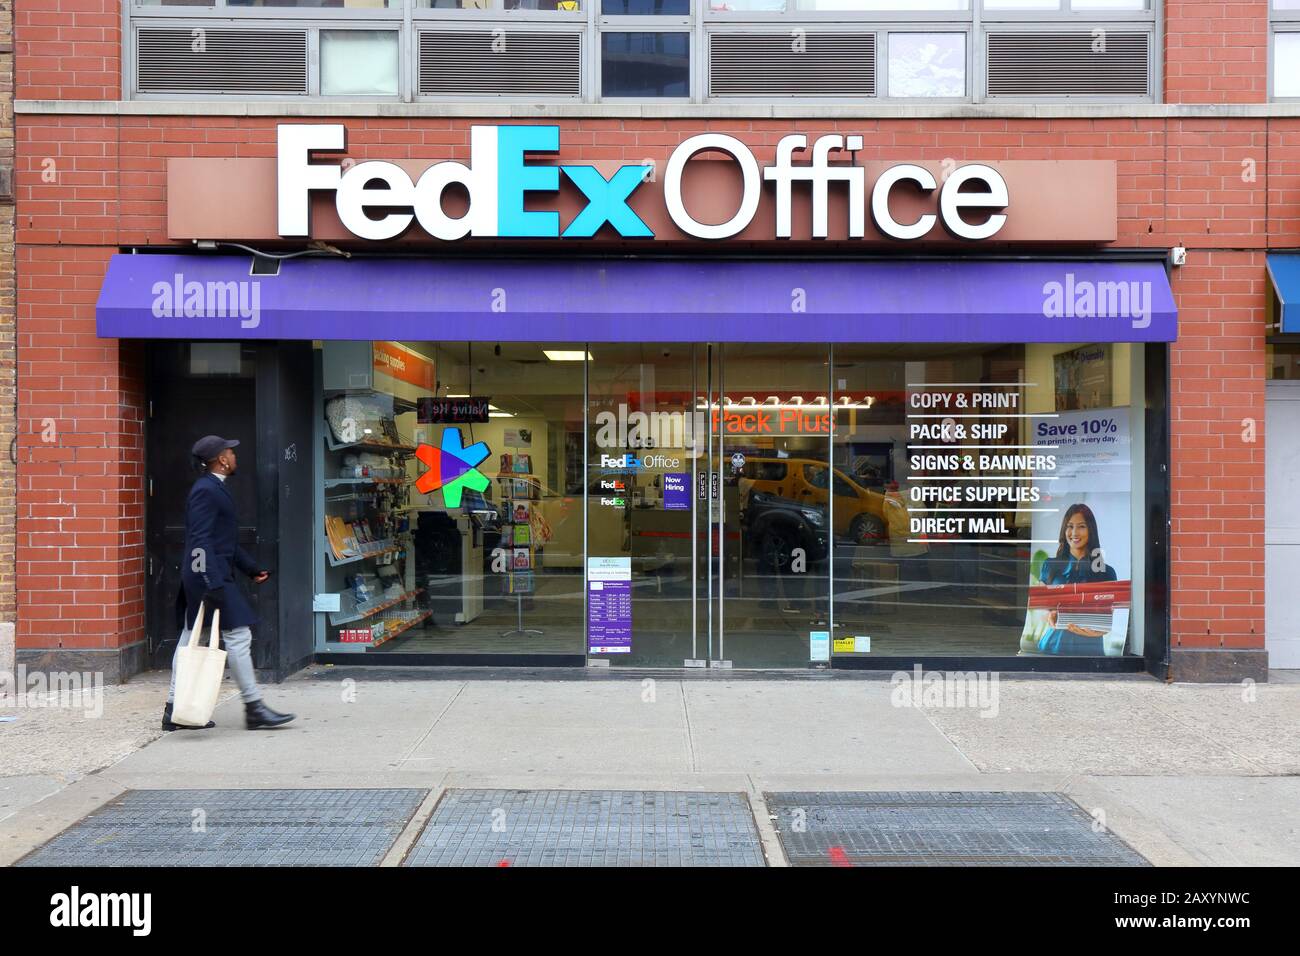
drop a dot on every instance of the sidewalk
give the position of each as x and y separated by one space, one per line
1186 774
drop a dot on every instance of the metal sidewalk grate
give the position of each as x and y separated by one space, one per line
235 828
899 828
589 828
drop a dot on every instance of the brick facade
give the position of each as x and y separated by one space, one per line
8 356
87 184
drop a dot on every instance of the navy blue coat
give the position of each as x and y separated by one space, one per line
212 529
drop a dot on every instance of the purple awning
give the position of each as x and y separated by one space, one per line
637 300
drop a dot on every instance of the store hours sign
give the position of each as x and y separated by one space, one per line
506 179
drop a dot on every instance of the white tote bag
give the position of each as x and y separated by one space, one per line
199 669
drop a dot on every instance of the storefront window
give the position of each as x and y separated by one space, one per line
452 522
987 506
741 504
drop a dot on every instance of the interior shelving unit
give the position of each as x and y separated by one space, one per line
380 500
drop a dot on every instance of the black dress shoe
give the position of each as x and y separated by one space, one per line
168 725
258 715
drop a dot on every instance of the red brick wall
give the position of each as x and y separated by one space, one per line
1217 451
8 354
68 50
80 534
1216 52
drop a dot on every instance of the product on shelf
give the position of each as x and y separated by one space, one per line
354 418
342 541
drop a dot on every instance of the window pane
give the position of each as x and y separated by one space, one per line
1283 362
549 5
358 62
1286 4
645 8
949 541
316 4
927 64
1110 4
903 5
747 6
1022 4
1286 64
645 64
486 557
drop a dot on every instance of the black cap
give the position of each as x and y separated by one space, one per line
210 446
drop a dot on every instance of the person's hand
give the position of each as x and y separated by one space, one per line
1051 619
214 599
1083 631
260 576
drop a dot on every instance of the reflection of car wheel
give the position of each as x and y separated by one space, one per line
868 529
774 549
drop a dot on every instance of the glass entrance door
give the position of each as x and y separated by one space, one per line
762 528
707 519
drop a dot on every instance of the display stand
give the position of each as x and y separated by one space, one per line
519 495
520 629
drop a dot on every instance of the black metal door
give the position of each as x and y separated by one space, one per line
193 389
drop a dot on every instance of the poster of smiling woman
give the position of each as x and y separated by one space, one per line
1080 572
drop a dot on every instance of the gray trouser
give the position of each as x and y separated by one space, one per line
238 644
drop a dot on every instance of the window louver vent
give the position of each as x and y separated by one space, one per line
477 63
1066 64
216 60
771 64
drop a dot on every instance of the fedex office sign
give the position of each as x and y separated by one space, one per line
380 200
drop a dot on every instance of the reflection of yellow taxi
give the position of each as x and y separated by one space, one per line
861 515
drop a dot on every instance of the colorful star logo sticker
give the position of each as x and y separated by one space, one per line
453 467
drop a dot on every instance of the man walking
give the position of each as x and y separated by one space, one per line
212 554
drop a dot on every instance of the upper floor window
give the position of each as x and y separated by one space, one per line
1284 52
771 51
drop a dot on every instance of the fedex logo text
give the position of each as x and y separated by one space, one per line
497 180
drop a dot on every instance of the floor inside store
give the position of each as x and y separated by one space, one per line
766 622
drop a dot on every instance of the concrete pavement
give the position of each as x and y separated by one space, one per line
1187 774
